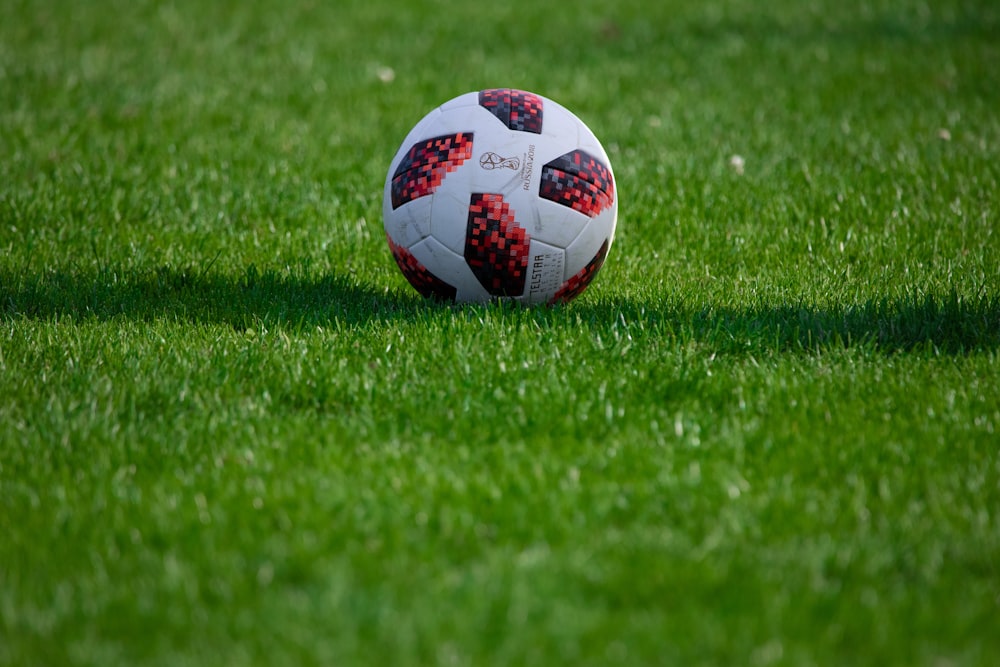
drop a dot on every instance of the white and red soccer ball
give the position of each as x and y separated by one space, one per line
500 194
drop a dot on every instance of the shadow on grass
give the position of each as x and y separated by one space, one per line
292 298
952 324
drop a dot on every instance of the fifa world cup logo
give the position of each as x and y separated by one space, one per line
493 161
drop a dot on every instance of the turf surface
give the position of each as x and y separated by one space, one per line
230 432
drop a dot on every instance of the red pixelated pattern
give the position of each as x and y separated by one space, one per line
576 284
578 180
516 109
496 247
426 164
425 282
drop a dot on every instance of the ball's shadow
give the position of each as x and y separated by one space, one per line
255 297
948 324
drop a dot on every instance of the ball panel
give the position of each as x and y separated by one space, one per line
425 165
598 231
409 223
578 180
450 211
582 278
451 268
557 224
516 109
496 246
562 130
425 282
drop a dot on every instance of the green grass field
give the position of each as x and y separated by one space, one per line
232 434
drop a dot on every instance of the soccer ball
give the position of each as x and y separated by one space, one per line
500 194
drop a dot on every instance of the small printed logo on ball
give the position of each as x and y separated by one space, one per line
491 160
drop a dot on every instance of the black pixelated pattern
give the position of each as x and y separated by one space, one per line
578 180
516 109
425 282
496 247
426 164
579 281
